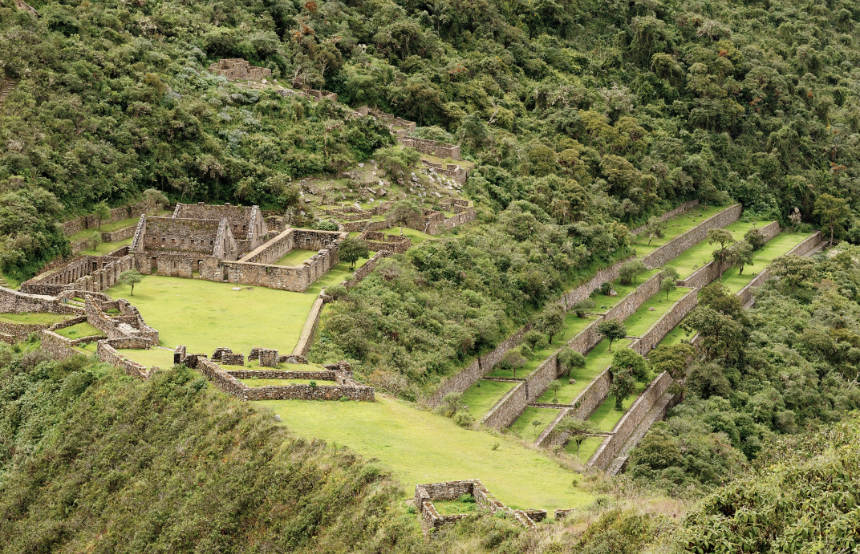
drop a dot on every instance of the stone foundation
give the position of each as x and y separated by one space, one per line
451 490
235 69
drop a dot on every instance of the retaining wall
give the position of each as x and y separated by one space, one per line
90 221
612 445
671 249
685 207
666 323
310 327
106 352
13 301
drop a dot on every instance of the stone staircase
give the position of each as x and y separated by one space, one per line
6 87
657 413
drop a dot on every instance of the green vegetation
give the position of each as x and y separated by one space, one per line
483 395
104 248
464 505
78 331
586 449
204 315
788 364
34 318
402 438
644 243
693 258
597 359
525 426
283 382
773 249
644 317
295 257
78 435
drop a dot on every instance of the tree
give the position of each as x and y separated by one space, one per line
402 212
668 280
621 387
630 361
654 228
582 307
629 271
573 429
351 250
740 254
569 359
512 360
535 339
612 329
551 322
755 238
102 212
723 238
834 213
130 278
153 200
671 358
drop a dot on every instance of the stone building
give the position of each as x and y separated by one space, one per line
238 69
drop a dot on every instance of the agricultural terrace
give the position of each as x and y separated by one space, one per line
674 227
700 254
34 318
421 447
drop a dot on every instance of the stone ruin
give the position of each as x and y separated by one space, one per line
452 490
236 69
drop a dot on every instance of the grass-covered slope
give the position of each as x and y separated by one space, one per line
94 461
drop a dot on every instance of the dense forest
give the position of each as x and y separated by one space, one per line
584 119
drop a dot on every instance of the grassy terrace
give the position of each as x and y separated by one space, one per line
113 226
417 237
421 447
597 359
451 507
79 331
643 318
34 318
483 395
773 249
283 382
295 257
675 226
525 426
152 357
105 248
700 254
195 313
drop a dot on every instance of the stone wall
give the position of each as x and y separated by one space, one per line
310 327
183 235
612 445
432 147
235 69
272 250
14 332
106 352
323 375
426 493
671 249
377 241
365 270
56 346
434 227
453 171
809 244
307 392
16 302
91 221
581 408
508 408
666 323
247 224
683 208
119 234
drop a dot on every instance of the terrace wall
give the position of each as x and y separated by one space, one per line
106 350
432 147
674 247
613 444
56 346
683 208
91 221
13 301
666 323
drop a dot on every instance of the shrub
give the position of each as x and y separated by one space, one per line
583 307
569 359
605 288
535 339
325 225
629 271
463 418
755 238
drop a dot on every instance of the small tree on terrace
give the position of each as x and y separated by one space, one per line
569 359
576 430
512 360
613 330
130 278
654 228
833 213
551 322
402 212
153 200
351 250
740 254
724 239
668 277
102 212
755 238
629 271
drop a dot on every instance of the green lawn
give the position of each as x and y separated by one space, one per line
417 237
296 257
673 227
524 426
676 335
586 449
597 359
421 447
79 330
483 395
284 382
151 357
773 249
113 226
34 318
700 254
87 349
335 276
603 302
105 248
643 318
451 507
8 282
204 315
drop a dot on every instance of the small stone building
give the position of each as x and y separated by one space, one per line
235 69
